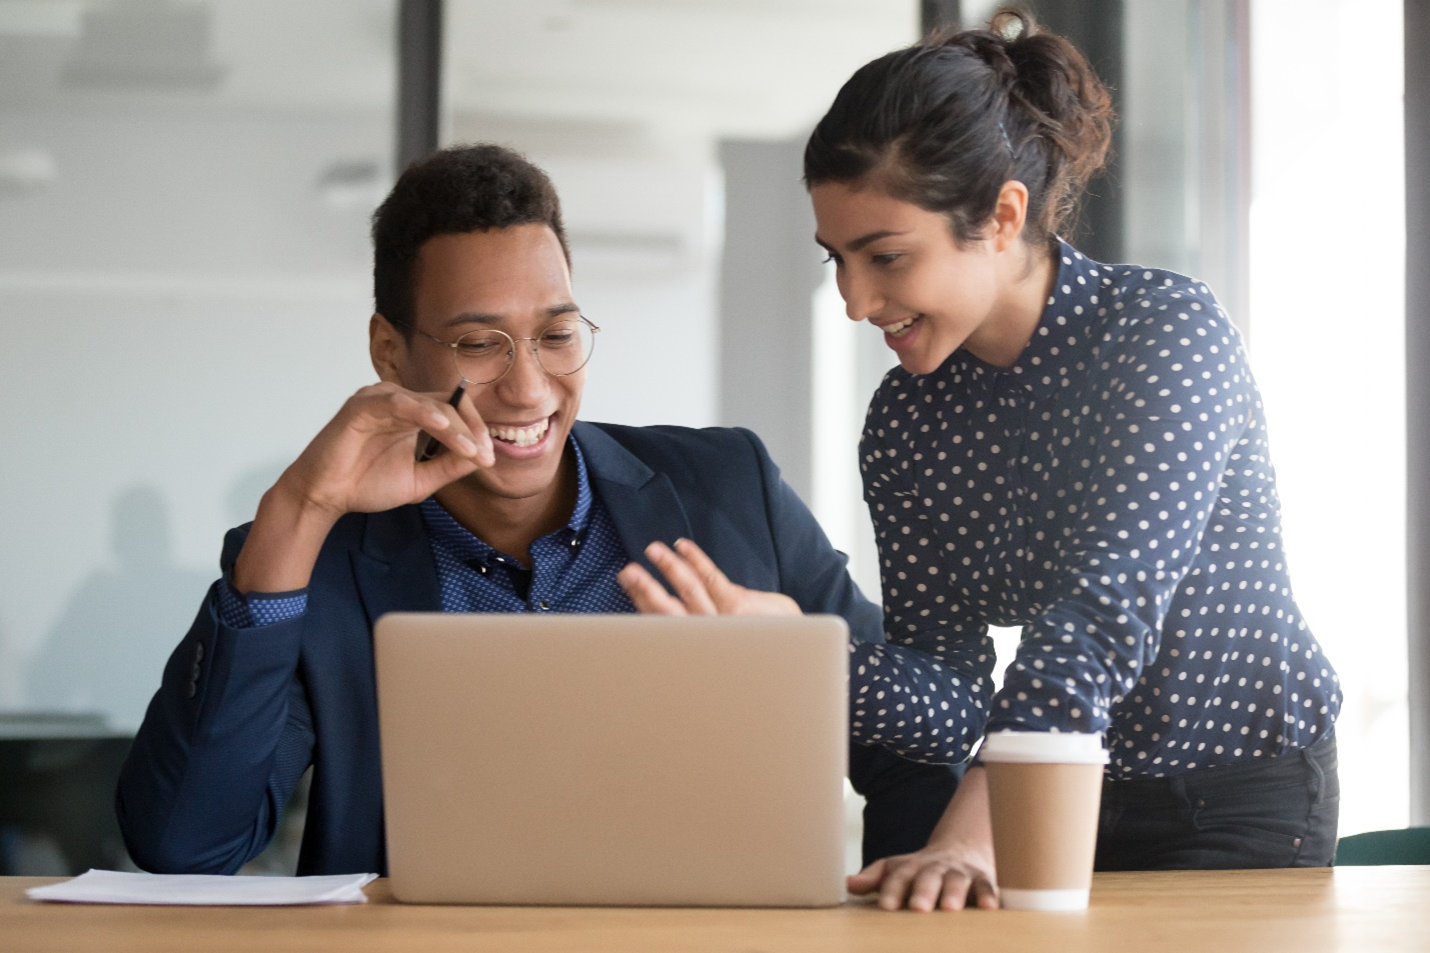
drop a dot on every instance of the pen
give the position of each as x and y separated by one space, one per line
429 446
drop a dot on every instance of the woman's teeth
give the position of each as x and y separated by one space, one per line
896 330
521 436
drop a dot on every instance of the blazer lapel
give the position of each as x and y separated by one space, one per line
643 504
394 568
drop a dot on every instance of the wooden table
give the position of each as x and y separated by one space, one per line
1349 908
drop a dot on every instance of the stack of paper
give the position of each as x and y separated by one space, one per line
111 886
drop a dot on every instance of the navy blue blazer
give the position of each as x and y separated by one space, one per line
240 714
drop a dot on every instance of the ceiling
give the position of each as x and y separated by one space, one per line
661 70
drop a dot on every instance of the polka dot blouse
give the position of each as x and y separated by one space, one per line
1112 494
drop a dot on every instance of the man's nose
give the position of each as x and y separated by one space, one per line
526 381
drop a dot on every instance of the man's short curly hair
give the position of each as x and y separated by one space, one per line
461 189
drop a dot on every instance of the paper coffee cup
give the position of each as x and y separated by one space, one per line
1044 790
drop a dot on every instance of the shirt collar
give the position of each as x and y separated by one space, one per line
1060 341
466 545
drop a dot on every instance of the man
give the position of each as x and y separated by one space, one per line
523 508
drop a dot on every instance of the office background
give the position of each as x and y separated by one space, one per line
184 274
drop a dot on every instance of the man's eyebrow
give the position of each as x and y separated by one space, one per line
483 317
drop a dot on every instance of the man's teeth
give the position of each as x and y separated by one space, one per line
901 327
521 436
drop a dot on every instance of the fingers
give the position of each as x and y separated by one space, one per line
923 882
648 595
386 409
477 427
935 885
435 473
985 894
895 888
867 879
714 581
690 587
459 428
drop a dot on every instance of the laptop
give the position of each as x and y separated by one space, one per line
614 759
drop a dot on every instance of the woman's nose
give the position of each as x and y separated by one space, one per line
861 298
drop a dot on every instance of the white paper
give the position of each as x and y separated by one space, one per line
112 886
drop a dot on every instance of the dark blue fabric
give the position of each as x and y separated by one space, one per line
1273 812
1112 494
241 713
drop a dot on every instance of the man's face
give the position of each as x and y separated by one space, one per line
515 280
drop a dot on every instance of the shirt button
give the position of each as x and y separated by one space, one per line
543 605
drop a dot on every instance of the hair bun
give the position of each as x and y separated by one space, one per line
946 122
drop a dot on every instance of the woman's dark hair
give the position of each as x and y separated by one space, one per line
461 189
944 123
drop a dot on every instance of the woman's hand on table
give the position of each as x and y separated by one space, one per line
955 869
700 587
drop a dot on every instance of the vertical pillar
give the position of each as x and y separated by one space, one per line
768 275
938 14
1417 379
1096 28
419 79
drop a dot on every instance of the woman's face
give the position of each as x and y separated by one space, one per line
899 268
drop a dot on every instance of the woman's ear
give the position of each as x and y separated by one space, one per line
386 345
1010 214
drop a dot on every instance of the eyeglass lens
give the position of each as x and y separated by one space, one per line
561 348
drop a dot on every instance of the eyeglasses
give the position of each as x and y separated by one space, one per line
483 357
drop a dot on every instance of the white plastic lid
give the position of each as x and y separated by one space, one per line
1043 747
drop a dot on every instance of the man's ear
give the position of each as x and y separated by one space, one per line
387 346
1010 214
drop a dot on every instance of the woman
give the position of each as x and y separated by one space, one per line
1072 447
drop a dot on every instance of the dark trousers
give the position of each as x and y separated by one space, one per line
1279 812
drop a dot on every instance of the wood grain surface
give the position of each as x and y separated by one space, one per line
1261 911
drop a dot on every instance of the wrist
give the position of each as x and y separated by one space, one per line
283 543
966 822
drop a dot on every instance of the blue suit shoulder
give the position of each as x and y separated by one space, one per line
691 452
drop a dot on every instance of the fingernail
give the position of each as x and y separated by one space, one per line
467 447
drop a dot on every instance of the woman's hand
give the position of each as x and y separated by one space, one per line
700 587
955 869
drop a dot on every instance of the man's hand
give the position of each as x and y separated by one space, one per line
700 587
955 869
363 461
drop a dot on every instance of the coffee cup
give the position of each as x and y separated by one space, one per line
1044 790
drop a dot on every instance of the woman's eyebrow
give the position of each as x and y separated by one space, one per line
861 241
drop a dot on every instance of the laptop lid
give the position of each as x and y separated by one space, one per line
614 759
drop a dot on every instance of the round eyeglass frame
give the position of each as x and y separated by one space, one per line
511 361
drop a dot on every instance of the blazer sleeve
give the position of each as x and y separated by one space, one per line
222 746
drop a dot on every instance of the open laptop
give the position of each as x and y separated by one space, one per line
614 759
